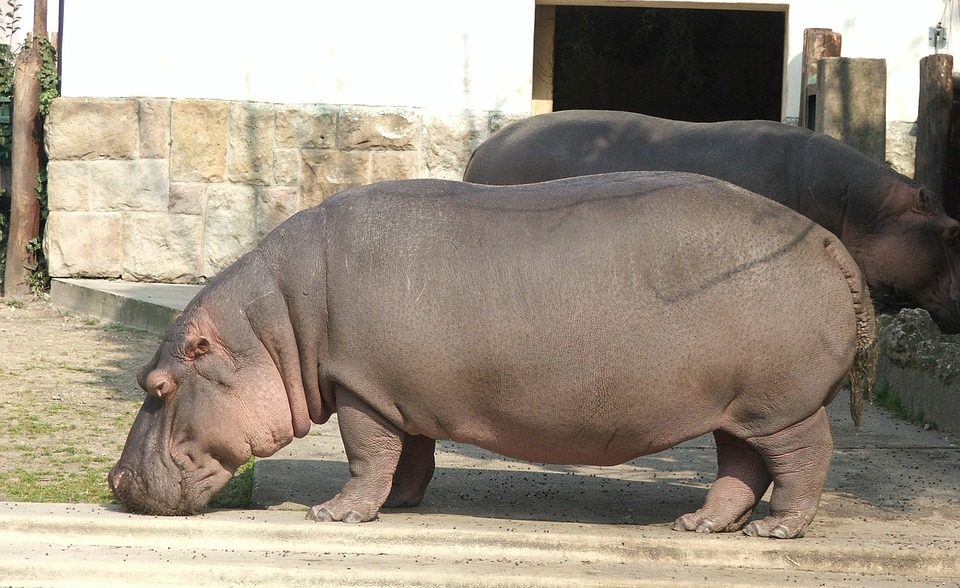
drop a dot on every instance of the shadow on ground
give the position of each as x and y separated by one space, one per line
887 469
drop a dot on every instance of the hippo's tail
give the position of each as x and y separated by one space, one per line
864 369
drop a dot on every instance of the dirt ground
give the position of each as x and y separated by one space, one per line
68 395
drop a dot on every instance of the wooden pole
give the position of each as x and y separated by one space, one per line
817 44
25 154
933 123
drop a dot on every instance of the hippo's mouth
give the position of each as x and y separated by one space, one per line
158 491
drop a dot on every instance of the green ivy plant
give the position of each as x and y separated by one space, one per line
39 277
47 76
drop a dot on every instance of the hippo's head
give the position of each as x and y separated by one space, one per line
910 253
214 398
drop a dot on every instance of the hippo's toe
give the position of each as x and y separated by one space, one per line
775 529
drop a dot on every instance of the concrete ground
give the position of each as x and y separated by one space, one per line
889 516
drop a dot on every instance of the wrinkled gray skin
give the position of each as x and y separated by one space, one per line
587 321
901 238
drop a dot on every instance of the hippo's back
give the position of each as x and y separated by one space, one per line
762 156
575 309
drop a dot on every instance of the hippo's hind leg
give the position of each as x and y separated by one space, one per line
799 459
373 447
742 478
413 472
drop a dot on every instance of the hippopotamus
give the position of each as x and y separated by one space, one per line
588 320
896 231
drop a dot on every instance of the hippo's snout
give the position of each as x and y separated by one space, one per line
148 491
122 483
127 490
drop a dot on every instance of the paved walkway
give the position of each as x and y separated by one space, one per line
890 516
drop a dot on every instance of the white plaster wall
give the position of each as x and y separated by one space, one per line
444 55
895 31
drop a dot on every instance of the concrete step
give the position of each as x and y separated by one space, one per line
150 307
88 545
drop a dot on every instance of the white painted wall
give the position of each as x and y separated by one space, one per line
895 31
441 54
445 55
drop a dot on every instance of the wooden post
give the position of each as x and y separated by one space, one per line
817 44
933 124
25 154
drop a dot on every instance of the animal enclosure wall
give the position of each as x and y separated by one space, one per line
175 190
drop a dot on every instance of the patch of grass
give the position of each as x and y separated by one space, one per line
14 303
25 424
123 421
89 485
125 329
239 490
885 397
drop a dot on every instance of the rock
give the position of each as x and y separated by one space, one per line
306 126
83 242
198 140
230 227
187 198
910 339
286 167
368 128
69 185
141 184
155 128
275 205
161 247
323 173
253 133
85 128
394 165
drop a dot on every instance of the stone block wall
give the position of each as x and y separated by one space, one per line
919 369
165 190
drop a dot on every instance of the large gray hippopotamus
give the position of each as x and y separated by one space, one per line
581 321
901 238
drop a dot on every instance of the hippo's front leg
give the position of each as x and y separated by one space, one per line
373 447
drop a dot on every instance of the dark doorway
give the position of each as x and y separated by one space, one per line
685 64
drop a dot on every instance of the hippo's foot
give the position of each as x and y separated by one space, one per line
778 527
798 457
340 508
373 447
700 522
414 471
742 478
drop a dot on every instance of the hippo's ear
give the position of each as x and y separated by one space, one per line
195 346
